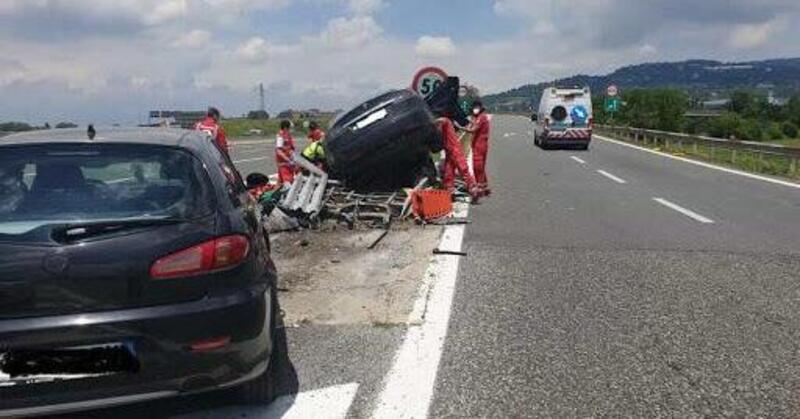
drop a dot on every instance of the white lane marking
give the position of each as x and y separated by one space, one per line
577 159
509 134
612 177
327 403
249 160
684 211
703 164
408 388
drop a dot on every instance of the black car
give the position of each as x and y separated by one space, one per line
133 266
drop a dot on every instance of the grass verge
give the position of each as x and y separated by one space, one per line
748 161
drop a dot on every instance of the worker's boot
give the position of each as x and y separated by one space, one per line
475 195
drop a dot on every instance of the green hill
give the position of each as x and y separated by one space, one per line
701 78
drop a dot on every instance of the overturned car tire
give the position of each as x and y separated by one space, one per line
384 143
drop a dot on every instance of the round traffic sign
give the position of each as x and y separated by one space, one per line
427 80
612 90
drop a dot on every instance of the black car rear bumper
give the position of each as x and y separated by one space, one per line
161 339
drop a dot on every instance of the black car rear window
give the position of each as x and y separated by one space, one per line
54 183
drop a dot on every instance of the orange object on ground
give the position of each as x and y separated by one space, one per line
430 204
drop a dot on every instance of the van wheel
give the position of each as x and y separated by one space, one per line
263 389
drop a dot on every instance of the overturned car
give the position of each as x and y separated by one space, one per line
386 143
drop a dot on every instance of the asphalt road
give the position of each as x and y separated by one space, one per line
612 282
584 296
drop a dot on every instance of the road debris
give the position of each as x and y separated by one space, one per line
378 240
448 252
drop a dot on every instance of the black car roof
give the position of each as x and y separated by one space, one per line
154 136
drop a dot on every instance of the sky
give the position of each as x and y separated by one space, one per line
111 61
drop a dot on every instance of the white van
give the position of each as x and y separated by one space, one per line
564 118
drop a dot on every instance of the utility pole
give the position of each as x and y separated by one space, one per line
263 107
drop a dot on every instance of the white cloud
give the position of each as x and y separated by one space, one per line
165 11
435 47
344 33
257 49
194 39
749 36
364 7
242 5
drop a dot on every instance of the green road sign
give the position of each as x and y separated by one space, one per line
612 104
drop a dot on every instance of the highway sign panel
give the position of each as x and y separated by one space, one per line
612 104
612 90
427 80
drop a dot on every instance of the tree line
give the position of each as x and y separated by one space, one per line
23 126
748 115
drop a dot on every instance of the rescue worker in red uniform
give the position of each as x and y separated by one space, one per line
284 154
315 133
480 129
454 160
211 126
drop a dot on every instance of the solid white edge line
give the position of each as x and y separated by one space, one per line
684 211
409 385
703 164
612 177
578 159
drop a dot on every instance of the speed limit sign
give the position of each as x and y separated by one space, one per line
427 80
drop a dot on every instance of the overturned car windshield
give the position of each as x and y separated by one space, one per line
52 184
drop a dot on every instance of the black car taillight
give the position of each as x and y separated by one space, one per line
213 255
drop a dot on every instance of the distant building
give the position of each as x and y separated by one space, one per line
776 101
183 119
715 104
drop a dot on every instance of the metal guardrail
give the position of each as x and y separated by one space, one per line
734 151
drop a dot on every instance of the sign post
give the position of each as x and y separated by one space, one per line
427 80
612 103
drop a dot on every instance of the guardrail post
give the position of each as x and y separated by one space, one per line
733 156
694 147
793 167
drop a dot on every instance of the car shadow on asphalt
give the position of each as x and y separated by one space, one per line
218 404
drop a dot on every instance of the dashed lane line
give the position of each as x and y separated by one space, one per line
684 211
612 177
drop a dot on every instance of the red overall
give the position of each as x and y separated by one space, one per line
215 131
454 158
480 148
284 149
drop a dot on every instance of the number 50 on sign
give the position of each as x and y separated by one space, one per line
427 80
